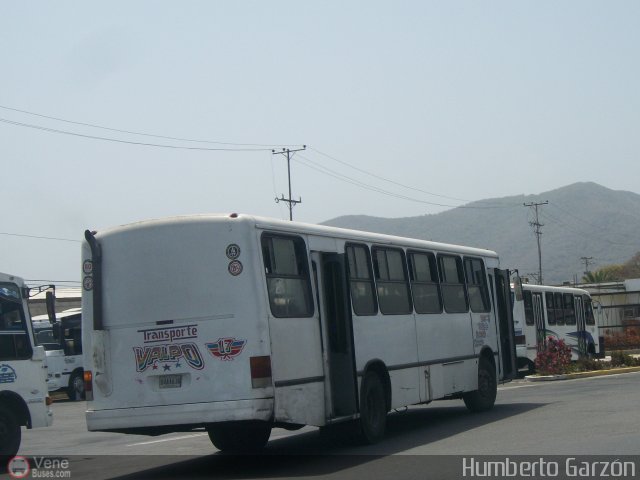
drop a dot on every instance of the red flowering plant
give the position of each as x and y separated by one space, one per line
554 358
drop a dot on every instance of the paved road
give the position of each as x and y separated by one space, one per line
572 417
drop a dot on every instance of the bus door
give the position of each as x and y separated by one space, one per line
335 319
538 317
581 324
504 310
298 372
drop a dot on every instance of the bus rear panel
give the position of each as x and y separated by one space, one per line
181 323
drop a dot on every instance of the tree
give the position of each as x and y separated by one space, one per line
604 274
611 273
631 268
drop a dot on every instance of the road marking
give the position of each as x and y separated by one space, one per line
517 386
167 439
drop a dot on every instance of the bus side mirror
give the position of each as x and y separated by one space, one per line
50 301
517 287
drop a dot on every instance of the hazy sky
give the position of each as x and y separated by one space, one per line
463 99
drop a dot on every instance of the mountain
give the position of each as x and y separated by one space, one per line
580 220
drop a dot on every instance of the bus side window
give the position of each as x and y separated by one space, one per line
477 285
569 309
588 310
551 311
528 307
288 283
423 273
452 280
559 307
363 298
391 281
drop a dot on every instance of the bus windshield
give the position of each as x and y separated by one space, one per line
11 316
14 339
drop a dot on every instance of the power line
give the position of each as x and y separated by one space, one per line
385 179
131 132
332 173
40 237
144 144
401 184
580 227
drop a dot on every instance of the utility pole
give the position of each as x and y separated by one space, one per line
290 201
538 232
586 264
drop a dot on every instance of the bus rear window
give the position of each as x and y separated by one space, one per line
287 271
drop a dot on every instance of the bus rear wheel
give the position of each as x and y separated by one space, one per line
484 397
75 390
10 434
240 437
373 409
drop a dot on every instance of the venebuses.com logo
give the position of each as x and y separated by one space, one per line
38 467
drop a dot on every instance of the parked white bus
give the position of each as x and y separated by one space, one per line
62 341
239 324
565 313
23 390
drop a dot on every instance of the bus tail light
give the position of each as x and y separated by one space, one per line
48 401
260 371
520 340
88 385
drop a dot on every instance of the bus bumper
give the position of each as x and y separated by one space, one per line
183 414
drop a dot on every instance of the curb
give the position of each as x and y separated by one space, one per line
569 376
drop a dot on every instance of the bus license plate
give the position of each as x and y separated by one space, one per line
170 381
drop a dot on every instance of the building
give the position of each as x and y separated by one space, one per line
618 310
66 298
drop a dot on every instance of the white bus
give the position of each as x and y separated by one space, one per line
566 313
23 390
239 324
62 341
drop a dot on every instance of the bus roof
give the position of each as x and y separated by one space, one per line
65 313
8 278
550 288
303 228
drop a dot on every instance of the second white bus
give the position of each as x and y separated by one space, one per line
566 313
62 341
239 324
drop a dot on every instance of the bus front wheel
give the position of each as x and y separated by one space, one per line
240 437
373 409
10 434
484 397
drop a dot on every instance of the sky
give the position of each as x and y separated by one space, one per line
406 108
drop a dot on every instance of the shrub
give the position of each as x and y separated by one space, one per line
586 364
629 339
621 359
554 358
